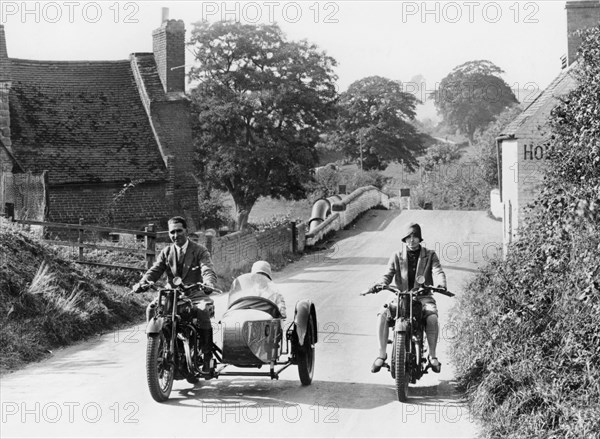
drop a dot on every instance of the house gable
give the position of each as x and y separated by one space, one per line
532 123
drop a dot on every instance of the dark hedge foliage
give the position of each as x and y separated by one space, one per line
529 345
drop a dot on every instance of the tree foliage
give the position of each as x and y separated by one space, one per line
529 350
375 119
260 105
441 153
472 95
486 156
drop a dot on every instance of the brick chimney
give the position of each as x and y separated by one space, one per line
582 14
169 53
5 83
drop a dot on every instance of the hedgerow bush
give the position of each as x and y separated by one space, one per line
528 345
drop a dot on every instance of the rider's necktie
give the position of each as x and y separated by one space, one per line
179 262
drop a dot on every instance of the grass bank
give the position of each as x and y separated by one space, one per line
47 301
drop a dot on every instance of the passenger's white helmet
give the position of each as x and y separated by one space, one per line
262 267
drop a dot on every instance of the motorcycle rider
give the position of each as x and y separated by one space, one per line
192 263
405 266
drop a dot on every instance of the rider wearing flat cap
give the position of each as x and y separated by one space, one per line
404 267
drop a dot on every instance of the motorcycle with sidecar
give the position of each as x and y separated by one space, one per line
252 331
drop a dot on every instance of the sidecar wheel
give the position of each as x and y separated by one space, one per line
159 367
400 373
306 355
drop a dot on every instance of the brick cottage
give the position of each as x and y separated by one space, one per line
98 127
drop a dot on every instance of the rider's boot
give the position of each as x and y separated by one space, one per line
207 350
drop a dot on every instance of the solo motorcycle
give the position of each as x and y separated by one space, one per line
409 360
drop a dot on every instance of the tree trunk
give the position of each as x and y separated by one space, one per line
242 212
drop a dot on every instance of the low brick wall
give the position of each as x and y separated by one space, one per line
345 211
236 252
139 206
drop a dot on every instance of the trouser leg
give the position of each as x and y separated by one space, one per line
150 310
204 325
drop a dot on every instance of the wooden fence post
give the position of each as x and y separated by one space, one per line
294 237
150 241
9 211
208 243
80 240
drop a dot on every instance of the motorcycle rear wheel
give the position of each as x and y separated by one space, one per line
400 373
159 370
306 355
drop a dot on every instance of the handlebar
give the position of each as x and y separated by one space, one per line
146 286
203 286
420 290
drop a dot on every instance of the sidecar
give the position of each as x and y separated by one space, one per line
253 332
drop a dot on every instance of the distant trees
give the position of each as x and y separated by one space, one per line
471 95
374 124
485 154
260 105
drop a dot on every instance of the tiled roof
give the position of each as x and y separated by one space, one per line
146 65
82 121
532 121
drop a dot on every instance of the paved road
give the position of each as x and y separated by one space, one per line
98 389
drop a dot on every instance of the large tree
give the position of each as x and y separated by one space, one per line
374 123
260 104
471 95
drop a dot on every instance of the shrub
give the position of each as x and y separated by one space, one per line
440 154
214 213
365 178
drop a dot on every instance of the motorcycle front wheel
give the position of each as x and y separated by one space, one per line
159 367
400 371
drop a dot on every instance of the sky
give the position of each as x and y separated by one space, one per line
400 40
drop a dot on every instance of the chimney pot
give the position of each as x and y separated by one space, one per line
581 14
165 14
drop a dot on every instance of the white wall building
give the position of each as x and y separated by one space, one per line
522 144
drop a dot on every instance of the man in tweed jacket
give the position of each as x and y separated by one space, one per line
192 263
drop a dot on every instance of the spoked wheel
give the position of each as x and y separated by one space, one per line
399 367
306 355
159 367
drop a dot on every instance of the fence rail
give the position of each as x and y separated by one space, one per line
149 234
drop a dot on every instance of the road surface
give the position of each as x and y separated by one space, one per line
98 388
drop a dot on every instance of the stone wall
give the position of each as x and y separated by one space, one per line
236 252
347 210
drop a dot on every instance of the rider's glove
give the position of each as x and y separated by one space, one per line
376 288
140 287
208 288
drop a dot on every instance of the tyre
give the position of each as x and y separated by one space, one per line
159 367
306 355
400 373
